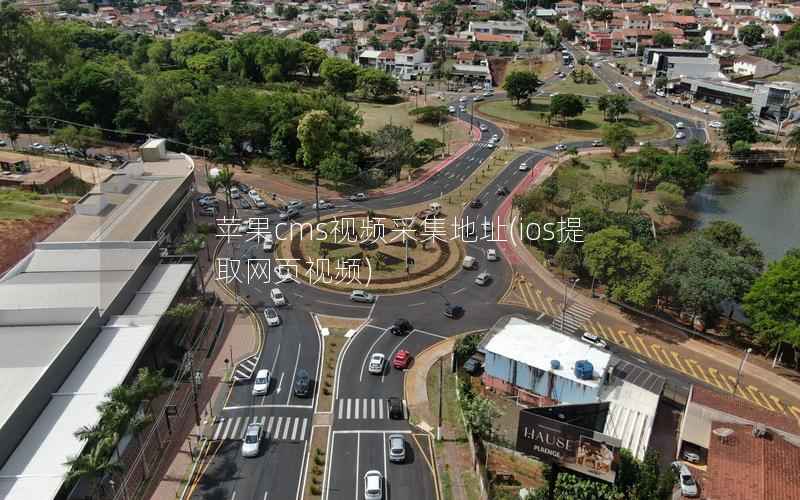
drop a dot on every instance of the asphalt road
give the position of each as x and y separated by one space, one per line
360 419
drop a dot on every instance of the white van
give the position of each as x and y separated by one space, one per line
469 262
235 194
436 208
269 243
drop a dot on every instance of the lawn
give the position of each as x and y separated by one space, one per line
568 86
16 204
451 417
591 121
542 66
377 115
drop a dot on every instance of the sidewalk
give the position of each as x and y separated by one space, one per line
415 386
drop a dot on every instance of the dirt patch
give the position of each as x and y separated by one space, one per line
86 173
518 471
18 237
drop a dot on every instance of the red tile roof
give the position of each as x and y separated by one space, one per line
744 467
488 37
744 409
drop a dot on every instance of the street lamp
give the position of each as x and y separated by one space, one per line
564 309
741 365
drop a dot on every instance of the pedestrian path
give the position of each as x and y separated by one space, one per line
246 368
573 318
275 428
364 409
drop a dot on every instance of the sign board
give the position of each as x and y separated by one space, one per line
576 448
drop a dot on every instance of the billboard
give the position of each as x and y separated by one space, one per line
576 448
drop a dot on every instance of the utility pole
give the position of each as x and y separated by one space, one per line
441 383
316 190
741 365
189 368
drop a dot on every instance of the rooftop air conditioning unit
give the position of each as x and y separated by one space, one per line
584 370
555 364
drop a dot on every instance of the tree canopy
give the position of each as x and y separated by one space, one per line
521 84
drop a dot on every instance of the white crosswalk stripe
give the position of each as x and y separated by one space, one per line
362 409
275 428
246 368
574 317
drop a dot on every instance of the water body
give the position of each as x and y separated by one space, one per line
766 203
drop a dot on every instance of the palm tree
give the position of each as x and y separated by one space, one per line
602 105
225 179
213 184
192 244
182 313
94 465
91 433
149 383
794 141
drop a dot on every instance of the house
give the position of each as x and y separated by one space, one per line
546 14
473 73
779 30
410 63
360 25
599 42
741 9
757 67
636 21
691 67
749 453
565 7
513 31
345 52
469 57
773 15
490 39
543 368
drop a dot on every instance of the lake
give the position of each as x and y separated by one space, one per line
766 203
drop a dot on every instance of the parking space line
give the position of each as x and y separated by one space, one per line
759 397
778 403
701 375
720 378
796 412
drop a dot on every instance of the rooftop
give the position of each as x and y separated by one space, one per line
521 341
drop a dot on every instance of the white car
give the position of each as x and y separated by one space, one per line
271 315
491 255
495 137
283 273
482 279
296 204
373 485
680 135
261 384
660 93
289 213
323 205
679 125
253 193
277 297
251 444
490 144
618 85
561 147
451 109
637 82
685 480
269 243
235 194
463 98
715 124
362 296
376 363
593 339
488 93
524 167
483 127
477 98
243 226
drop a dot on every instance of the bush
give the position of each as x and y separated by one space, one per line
315 490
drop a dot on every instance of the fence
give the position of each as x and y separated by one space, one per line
150 452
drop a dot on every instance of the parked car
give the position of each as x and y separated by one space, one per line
476 203
715 124
473 366
2 143
359 197
271 315
397 448
483 279
488 93
396 409
277 297
235 193
244 204
561 147
597 142
377 363
302 383
451 109
373 485
680 135
401 359
296 204
618 85
251 444
401 326
491 255
463 98
259 203
691 457
453 311
593 339
261 384
483 127
208 211
685 480
679 125
362 296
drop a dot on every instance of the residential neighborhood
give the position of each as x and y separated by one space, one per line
438 249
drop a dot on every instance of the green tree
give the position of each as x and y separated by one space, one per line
315 134
466 346
670 197
648 9
552 39
430 114
618 105
377 84
479 414
94 464
80 139
445 12
681 171
618 138
738 126
191 43
395 147
730 237
339 75
313 57
663 39
521 84
751 34
566 29
793 141
571 487
428 148
11 121
19 49
607 193
567 106
337 168
701 276
699 153
192 244
773 303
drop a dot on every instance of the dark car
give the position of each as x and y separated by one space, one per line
453 311
401 326
502 191
302 383
473 366
244 188
396 409
244 204
476 203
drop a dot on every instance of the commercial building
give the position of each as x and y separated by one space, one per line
767 100
78 314
749 453
515 31
656 58
541 367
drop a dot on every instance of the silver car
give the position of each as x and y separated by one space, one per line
251 444
397 448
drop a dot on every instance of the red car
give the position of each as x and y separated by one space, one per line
401 359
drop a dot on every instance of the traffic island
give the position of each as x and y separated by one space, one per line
316 462
389 252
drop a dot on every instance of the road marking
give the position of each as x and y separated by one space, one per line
348 408
380 410
759 397
720 379
294 428
540 317
303 429
458 291
247 407
233 497
796 412
428 333
278 428
343 305
778 403
286 427
217 431
700 374
356 405
385 468
269 426
417 304
358 458
280 382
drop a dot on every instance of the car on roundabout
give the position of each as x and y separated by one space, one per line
491 255
359 197
271 316
561 147
453 311
401 326
401 359
277 297
377 363
476 203
483 127
362 296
